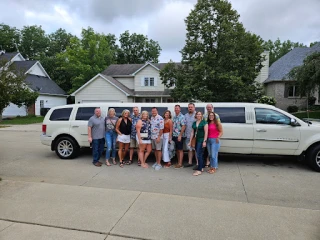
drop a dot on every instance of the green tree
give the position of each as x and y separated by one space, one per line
34 42
58 42
12 86
277 49
220 59
137 48
85 57
308 74
9 38
25 98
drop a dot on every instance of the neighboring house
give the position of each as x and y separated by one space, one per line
38 80
132 83
283 89
125 83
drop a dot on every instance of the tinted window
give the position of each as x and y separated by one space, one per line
268 116
120 109
184 110
84 113
231 114
62 114
161 110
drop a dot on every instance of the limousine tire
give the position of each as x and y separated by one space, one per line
66 148
313 157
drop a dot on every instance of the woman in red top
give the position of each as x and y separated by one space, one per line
167 137
215 131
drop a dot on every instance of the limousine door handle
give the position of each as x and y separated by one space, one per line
75 126
261 130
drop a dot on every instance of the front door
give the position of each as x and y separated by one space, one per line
273 133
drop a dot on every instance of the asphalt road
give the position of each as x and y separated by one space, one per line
278 183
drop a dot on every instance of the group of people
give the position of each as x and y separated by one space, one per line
199 133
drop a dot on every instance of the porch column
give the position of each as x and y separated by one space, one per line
161 100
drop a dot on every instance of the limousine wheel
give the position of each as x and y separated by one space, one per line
313 157
66 148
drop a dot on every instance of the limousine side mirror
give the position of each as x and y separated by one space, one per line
294 122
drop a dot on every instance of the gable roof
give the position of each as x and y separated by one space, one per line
109 79
280 69
7 56
43 85
129 69
23 66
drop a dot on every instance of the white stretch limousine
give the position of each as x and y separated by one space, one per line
249 128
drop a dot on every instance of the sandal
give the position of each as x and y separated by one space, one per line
211 170
114 161
196 173
121 164
129 162
139 163
206 166
108 164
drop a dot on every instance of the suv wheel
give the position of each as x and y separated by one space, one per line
313 157
66 148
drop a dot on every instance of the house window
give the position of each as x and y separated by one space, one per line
293 91
41 103
149 82
150 100
146 82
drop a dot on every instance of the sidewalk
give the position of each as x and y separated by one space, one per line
51 211
36 127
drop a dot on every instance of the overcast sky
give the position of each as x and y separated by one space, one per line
163 20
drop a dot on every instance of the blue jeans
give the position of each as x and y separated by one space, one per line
213 149
111 138
199 152
97 149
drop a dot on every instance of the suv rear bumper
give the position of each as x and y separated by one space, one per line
46 140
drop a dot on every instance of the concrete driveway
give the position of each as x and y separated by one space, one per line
42 197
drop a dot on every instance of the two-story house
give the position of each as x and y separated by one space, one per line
37 79
125 83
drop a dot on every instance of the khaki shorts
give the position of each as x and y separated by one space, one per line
134 143
155 145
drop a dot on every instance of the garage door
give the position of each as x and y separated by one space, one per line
94 101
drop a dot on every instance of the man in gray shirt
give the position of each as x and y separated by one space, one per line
190 118
96 131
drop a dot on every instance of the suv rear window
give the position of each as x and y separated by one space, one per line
84 113
61 114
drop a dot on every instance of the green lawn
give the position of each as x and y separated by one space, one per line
313 114
22 120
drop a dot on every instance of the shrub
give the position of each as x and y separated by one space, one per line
267 100
292 109
312 100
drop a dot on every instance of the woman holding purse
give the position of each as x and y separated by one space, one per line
143 128
200 133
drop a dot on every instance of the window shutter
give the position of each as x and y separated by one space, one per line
142 81
155 81
286 90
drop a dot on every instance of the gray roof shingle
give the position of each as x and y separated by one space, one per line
43 85
128 69
23 66
7 56
280 69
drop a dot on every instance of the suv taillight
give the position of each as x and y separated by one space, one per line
44 128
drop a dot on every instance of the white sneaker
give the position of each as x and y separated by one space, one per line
154 165
157 167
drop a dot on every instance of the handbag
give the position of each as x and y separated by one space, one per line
144 135
193 140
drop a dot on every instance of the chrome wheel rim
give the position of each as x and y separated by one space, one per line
65 148
318 159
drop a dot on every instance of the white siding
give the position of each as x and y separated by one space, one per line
128 82
17 58
148 72
100 90
13 110
49 102
36 70
264 72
